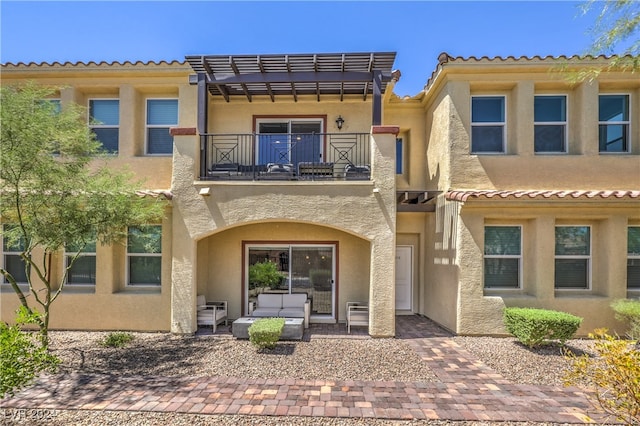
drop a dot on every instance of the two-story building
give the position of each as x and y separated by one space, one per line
502 183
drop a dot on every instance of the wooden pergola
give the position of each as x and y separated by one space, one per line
292 75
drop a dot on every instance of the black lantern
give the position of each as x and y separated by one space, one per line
339 122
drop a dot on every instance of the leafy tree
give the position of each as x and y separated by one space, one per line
617 23
57 191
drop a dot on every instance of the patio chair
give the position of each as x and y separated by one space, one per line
211 313
357 314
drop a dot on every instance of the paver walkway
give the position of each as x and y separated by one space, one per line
468 390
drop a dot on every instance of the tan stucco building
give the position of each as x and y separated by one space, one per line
502 183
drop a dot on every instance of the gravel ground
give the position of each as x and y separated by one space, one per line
517 363
320 358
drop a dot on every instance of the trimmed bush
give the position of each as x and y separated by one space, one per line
117 339
536 327
265 332
628 310
614 374
22 355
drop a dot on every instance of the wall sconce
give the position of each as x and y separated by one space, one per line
339 122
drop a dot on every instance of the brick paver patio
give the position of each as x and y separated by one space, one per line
467 390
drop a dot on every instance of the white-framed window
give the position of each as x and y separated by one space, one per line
144 255
162 114
573 257
11 260
83 270
488 124
633 258
613 123
502 256
104 121
550 123
399 156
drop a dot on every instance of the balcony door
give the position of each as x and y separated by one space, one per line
299 268
289 141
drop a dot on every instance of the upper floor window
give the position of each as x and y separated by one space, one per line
104 120
488 124
573 257
633 258
162 114
550 124
502 256
83 270
399 156
11 260
613 117
144 255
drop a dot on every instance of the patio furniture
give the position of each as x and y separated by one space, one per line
309 170
211 313
278 171
353 172
281 305
221 170
293 328
357 314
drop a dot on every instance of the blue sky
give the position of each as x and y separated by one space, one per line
418 31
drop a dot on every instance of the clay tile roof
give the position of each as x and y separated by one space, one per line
80 64
464 195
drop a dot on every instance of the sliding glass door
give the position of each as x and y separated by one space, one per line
294 268
282 141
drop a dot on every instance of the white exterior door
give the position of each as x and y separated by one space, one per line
404 277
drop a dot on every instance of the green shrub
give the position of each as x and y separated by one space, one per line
265 332
614 375
535 327
628 310
22 355
117 339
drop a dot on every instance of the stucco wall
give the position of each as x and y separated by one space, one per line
221 268
582 167
110 304
362 208
132 85
480 310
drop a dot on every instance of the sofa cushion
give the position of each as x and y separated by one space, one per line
266 312
291 313
266 300
294 300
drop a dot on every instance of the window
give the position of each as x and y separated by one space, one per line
573 257
11 248
161 115
633 258
104 119
502 256
550 124
487 124
399 157
613 116
83 270
144 255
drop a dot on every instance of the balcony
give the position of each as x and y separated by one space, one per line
286 156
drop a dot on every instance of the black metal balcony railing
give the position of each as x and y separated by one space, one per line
291 156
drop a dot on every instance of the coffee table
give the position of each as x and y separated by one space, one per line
293 328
